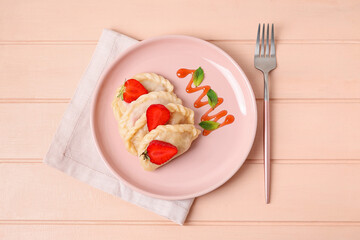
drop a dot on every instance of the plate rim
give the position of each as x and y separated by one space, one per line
97 92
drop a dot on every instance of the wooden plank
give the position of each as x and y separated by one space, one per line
83 20
53 71
310 71
28 128
42 71
51 194
300 129
55 232
300 193
315 130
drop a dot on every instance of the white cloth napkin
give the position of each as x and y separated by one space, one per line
73 149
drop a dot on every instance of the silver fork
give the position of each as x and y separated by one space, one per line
265 61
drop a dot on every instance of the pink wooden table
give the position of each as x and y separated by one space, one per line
315 92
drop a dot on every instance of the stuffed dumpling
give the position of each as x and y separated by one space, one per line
165 143
178 114
152 82
139 106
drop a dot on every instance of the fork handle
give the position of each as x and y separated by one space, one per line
266 139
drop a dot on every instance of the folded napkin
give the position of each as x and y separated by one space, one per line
73 149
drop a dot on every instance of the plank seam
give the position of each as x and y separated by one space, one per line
276 100
241 41
189 223
248 161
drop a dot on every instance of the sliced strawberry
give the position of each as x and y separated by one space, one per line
160 152
132 90
157 114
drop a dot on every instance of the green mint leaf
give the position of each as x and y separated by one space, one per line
198 76
209 125
212 98
121 92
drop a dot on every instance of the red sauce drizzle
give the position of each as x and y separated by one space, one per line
182 73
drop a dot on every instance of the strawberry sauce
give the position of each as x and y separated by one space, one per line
182 73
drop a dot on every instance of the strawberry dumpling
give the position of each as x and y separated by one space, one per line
152 121
159 152
140 105
155 115
138 85
167 138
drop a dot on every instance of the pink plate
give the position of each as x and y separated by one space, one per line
212 159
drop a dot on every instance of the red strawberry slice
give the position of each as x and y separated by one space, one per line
132 90
157 114
160 152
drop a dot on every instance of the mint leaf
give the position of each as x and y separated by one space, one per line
121 92
198 76
212 98
209 125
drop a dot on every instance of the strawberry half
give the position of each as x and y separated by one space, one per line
132 90
160 152
157 114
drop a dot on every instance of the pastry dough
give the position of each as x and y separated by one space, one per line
178 115
136 108
154 82
132 120
151 81
179 135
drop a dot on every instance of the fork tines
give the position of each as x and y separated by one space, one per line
265 50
